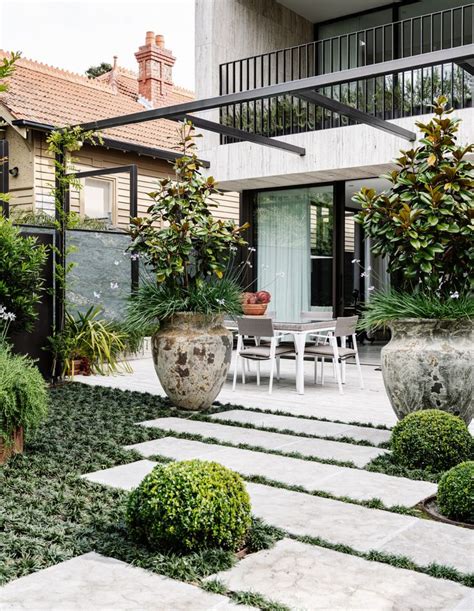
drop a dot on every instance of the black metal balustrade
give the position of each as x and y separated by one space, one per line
388 97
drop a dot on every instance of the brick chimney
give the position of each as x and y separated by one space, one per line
155 69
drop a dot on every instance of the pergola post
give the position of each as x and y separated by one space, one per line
4 178
62 207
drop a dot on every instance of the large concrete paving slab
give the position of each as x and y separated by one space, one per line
364 529
317 448
306 577
306 426
126 477
340 481
95 582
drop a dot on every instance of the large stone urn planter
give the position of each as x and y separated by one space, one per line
192 354
428 365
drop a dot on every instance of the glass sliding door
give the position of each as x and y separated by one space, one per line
322 236
364 272
294 249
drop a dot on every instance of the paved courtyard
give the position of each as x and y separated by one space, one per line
304 459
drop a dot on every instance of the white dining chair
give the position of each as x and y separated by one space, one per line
345 327
258 327
322 338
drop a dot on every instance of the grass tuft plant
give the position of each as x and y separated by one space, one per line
387 306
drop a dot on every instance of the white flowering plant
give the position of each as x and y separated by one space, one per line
6 319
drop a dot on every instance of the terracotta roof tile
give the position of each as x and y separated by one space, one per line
42 93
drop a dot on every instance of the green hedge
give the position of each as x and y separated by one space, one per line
456 492
23 395
431 439
190 505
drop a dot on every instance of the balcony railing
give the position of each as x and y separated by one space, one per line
391 96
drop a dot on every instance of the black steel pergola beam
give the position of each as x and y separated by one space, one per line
455 54
356 115
227 130
119 169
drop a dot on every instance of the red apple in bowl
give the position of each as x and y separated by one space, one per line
263 297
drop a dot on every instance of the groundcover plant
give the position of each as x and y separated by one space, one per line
49 514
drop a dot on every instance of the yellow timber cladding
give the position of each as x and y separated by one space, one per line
31 190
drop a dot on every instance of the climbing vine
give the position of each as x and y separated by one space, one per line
62 144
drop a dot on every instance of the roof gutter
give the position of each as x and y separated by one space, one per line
119 145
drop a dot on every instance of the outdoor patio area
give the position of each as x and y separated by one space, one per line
369 405
236 366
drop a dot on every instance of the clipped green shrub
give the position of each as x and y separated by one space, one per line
190 505
23 396
431 439
456 492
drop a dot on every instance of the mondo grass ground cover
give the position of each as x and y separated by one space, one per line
48 514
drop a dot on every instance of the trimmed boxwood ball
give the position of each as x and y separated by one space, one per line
431 439
190 505
456 493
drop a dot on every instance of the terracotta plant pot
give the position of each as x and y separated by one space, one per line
192 354
15 447
254 309
76 367
428 365
430 506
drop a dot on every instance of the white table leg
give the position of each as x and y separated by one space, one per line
300 341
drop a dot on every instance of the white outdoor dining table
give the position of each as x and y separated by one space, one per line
300 332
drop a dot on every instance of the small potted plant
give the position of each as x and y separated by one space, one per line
23 401
255 304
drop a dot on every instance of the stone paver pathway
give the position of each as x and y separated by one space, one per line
364 529
319 448
361 528
311 475
306 577
93 582
319 428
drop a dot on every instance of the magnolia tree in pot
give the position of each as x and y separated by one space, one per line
187 251
423 224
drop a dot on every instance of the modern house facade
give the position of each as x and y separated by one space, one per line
396 56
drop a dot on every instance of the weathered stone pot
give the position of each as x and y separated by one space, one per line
428 365
192 354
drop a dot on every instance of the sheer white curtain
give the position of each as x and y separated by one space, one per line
283 227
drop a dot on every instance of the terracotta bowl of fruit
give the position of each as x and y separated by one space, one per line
255 304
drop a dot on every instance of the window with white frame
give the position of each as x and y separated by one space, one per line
98 199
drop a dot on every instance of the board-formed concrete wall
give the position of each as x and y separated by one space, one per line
340 153
226 30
